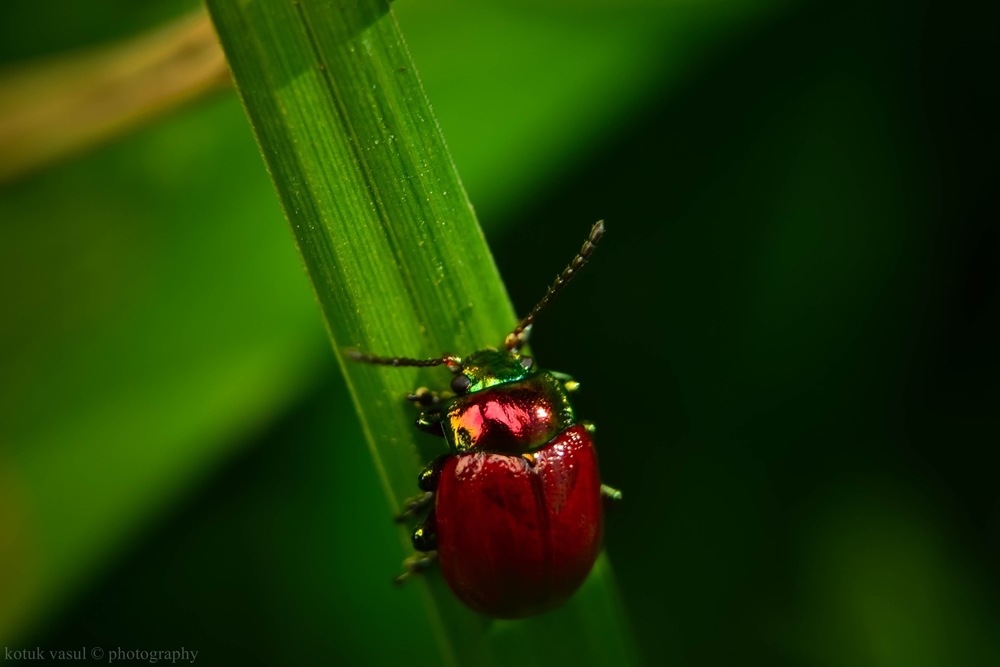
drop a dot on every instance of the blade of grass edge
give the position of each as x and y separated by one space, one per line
387 234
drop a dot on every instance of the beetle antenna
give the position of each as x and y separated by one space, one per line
450 360
515 339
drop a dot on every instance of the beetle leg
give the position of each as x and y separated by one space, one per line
610 493
429 421
415 505
427 480
425 536
569 383
416 564
424 397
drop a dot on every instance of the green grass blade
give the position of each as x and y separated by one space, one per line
389 238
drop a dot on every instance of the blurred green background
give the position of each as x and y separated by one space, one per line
788 340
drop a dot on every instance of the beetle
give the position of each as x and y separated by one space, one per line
514 512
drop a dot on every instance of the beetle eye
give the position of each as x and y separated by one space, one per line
527 362
461 383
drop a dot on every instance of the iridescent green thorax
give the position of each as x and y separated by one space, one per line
488 368
514 417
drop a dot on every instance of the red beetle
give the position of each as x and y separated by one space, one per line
517 514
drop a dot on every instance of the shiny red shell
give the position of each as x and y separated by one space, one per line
517 538
511 418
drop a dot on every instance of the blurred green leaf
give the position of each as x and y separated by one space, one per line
882 584
154 314
526 89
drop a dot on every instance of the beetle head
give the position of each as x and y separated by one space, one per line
488 368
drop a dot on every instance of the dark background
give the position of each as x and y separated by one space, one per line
787 339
